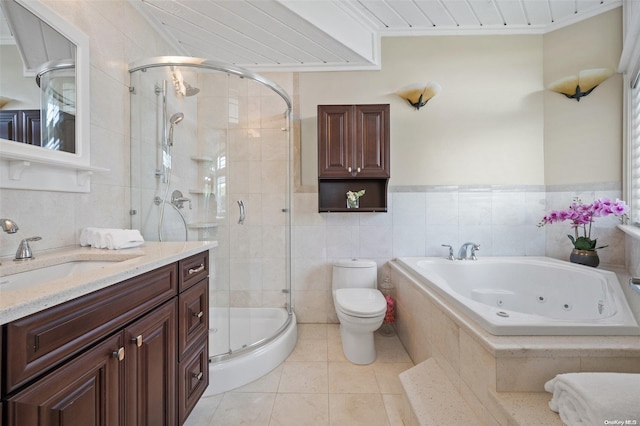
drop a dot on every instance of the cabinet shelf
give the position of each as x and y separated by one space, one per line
202 225
332 195
202 159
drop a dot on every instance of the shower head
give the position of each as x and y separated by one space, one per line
176 118
189 90
173 120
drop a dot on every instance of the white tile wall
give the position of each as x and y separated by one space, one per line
118 35
502 220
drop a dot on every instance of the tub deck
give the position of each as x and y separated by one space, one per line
481 365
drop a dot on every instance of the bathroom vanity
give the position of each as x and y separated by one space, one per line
132 351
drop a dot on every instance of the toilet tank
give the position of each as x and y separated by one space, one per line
354 273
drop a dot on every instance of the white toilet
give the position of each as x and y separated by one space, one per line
360 307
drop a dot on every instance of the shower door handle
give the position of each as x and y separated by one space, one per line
242 214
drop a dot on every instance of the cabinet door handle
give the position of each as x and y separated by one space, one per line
196 270
197 376
137 340
198 314
358 170
119 354
349 169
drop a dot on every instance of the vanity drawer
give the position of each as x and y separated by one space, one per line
193 378
193 269
43 340
193 315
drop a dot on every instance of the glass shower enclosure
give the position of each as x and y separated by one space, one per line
211 160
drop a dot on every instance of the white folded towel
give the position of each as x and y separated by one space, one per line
596 398
112 239
123 239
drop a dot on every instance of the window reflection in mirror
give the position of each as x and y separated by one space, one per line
38 81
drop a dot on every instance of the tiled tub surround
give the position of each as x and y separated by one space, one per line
480 365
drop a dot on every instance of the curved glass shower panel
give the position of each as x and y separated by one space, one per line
258 162
210 160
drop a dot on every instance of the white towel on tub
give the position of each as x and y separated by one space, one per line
112 239
596 398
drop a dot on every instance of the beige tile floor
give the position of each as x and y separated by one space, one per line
316 385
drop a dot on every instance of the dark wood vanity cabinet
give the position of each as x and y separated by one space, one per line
353 154
21 126
193 331
111 357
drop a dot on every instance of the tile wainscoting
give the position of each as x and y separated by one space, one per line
503 219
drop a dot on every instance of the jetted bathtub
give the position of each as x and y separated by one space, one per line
528 295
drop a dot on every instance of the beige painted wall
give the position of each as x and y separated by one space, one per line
485 127
583 140
493 122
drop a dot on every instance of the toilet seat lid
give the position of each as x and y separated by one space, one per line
361 302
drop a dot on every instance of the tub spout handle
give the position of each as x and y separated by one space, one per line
474 249
451 256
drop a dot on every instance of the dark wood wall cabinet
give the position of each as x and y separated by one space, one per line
134 353
353 154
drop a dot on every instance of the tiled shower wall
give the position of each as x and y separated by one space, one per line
503 220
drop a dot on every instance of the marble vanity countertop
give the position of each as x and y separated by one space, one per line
19 300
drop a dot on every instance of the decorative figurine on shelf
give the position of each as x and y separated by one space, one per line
353 199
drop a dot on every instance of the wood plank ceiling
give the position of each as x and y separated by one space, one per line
322 34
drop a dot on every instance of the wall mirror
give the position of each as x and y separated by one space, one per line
44 88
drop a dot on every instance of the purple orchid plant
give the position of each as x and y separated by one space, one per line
581 217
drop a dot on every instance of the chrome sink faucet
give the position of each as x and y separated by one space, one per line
9 226
24 251
462 253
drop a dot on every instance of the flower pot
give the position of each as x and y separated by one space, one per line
585 257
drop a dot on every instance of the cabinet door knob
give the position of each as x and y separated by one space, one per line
119 354
197 376
349 169
137 340
358 170
198 314
196 270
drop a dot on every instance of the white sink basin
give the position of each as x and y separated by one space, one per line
54 272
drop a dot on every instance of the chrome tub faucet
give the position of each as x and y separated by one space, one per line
462 253
450 256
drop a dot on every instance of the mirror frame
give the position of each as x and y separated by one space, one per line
10 150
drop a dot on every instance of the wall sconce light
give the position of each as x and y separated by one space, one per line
577 86
418 94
